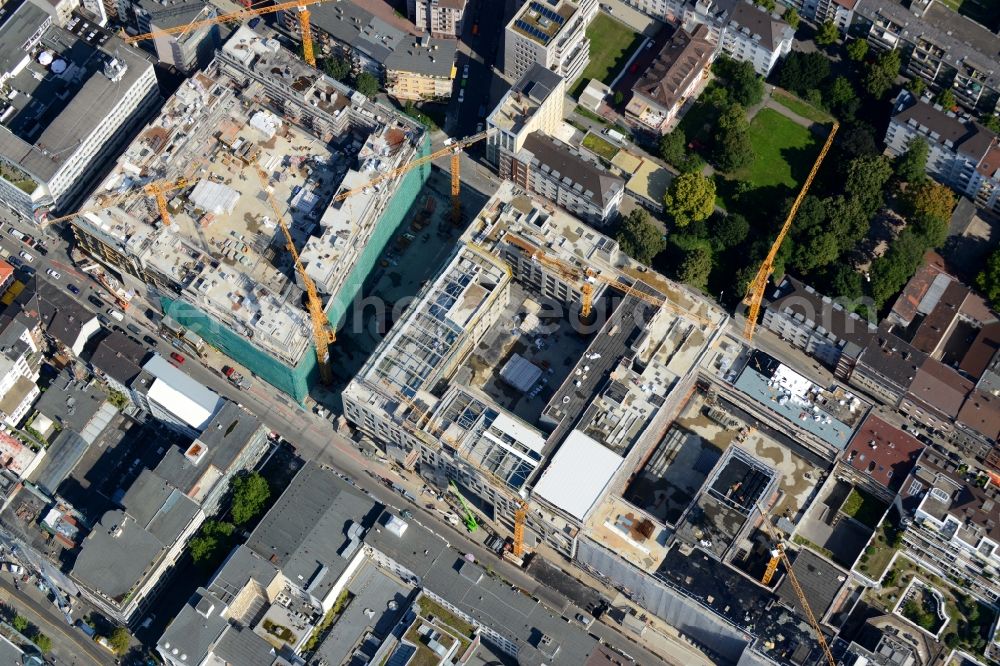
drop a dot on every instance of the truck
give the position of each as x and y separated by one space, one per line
235 377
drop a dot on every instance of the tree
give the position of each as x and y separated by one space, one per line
891 271
911 166
803 71
639 238
988 280
250 494
690 198
855 140
337 68
840 97
728 231
673 147
844 281
745 86
766 5
951 640
828 34
881 74
210 542
20 623
366 84
866 179
816 241
120 640
733 148
619 97
42 642
928 206
946 98
991 122
918 88
792 18
857 49
696 267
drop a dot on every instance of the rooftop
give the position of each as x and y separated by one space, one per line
423 55
805 304
119 358
542 21
70 402
187 399
523 99
981 413
578 475
883 452
940 387
820 579
560 160
963 135
51 109
758 21
681 60
891 357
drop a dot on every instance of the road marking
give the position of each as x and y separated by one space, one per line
56 629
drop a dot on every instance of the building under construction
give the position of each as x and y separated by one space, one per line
216 259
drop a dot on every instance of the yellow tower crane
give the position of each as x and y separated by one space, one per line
758 285
240 16
159 189
779 547
323 333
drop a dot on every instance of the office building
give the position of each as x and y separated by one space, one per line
533 104
186 51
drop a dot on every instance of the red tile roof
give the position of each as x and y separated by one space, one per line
6 271
981 412
905 307
883 452
940 388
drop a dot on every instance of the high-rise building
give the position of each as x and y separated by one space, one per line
441 18
552 34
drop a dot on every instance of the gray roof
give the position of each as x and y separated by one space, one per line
242 566
958 36
159 507
820 580
759 22
797 298
225 438
62 456
357 28
431 57
172 15
537 83
192 633
892 358
61 316
119 358
967 136
69 121
71 403
559 157
115 556
305 532
244 647
18 22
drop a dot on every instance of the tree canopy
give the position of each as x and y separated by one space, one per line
881 74
728 231
366 84
891 271
866 179
841 97
946 98
928 206
911 166
119 640
745 86
42 642
696 266
792 18
857 49
802 72
337 68
827 34
211 542
673 147
733 148
690 198
639 238
250 494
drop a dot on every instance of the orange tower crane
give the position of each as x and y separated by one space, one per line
159 189
240 16
779 547
758 285
323 333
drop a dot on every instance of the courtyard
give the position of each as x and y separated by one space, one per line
611 44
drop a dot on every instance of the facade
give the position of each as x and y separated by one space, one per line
173 398
20 363
753 35
187 51
419 70
554 170
52 144
533 104
963 154
945 49
839 12
670 80
441 18
552 35
812 322
253 95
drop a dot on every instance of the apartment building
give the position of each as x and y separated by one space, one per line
118 361
753 35
441 18
173 398
186 51
963 154
552 35
20 364
558 172
943 48
533 104
68 96
838 12
817 325
418 70
670 80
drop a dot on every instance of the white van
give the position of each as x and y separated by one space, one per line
117 315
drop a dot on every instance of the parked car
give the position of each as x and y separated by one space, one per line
53 273
95 301
135 329
26 256
117 315
177 357
73 289
149 340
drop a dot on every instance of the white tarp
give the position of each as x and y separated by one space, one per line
578 475
266 123
214 198
520 373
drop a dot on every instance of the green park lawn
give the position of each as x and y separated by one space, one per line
800 106
611 43
783 151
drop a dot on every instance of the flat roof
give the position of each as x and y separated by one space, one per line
821 582
424 55
578 475
192 402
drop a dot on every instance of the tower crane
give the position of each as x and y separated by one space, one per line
779 548
323 333
240 16
156 189
758 285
